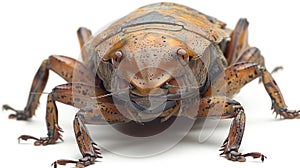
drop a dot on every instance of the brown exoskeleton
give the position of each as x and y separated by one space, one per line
144 66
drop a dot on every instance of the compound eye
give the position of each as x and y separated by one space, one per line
117 58
183 56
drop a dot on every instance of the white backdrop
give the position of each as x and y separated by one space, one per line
32 30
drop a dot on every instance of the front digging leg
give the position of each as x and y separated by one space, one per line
52 126
232 143
89 150
223 107
100 113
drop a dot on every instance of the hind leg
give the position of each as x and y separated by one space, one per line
238 49
238 42
84 35
64 66
246 64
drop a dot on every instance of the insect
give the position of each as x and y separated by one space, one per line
156 62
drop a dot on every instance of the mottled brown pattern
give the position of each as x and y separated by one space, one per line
161 55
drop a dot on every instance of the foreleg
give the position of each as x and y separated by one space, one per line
89 149
99 113
223 107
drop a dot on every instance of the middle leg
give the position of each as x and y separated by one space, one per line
239 74
81 96
65 67
74 94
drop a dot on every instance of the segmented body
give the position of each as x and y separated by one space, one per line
201 33
162 60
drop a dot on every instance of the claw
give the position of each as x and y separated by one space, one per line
284 112
26 137
7 107
63 162
99 156
20 115
96 150
38 141
225 142
95 146
256 155
236 156
88 158
44 140
85 161
58 132
276 69
287 114
221 153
